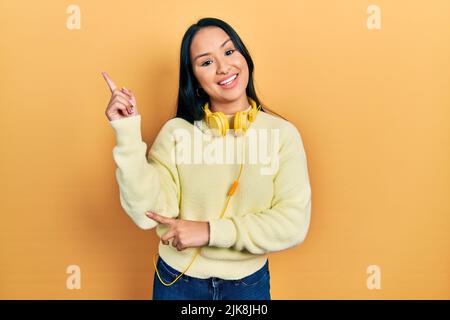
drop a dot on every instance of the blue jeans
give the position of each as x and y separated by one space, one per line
253 287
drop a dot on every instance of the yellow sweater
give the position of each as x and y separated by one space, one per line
269 212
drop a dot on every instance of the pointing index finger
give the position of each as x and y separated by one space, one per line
159 218
109 81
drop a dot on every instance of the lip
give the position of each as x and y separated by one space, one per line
232 84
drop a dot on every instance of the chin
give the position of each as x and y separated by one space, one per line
232 96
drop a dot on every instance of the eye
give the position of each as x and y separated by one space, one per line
232 50
203 64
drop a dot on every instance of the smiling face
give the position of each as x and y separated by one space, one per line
214 58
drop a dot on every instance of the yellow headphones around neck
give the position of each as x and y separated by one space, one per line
219 123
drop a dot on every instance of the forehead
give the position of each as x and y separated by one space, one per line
208 39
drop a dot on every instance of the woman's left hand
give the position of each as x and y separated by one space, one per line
186 233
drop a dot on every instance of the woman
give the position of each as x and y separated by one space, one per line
212 247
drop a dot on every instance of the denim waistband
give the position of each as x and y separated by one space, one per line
162 264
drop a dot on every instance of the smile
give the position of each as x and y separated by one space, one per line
230 82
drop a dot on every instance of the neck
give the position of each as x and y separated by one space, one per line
230 107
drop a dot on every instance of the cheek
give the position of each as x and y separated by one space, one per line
204 76
242 65
244 72
240 60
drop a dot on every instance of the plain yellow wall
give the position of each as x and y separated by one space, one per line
373 107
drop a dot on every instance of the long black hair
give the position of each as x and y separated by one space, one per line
190 104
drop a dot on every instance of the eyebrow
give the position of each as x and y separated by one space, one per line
207 53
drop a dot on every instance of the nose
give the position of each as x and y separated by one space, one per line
222 67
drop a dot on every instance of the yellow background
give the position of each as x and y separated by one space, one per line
373 108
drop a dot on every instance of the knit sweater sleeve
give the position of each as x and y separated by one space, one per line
283 225
146 183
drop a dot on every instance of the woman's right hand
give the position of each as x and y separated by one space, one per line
122 103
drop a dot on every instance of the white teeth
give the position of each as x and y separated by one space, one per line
229 80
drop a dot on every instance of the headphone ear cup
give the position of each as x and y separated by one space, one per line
239 123
214 125
252 115
225 123
221 123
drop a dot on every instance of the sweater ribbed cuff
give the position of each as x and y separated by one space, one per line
128 130
222 233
